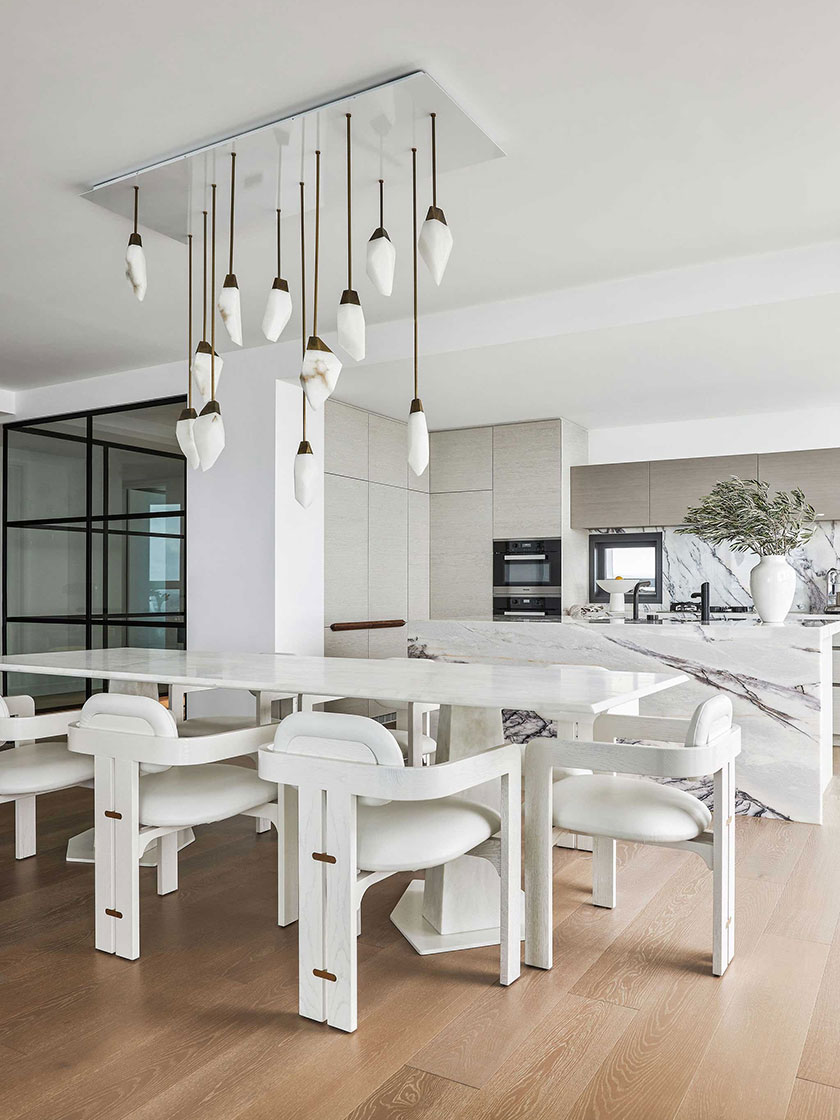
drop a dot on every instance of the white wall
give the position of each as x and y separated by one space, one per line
727 435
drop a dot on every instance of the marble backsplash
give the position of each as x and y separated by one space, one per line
687 562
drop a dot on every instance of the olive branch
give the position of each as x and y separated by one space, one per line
742 513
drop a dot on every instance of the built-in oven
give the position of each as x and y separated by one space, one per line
526 606
526 578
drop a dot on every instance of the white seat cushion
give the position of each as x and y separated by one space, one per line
41 767
628 809
217 725
408 835
427 743
200 794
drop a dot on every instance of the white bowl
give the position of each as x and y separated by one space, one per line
616 586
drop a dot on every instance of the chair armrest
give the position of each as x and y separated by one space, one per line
20 705
658 761
394 783
25 727
663 729
169 752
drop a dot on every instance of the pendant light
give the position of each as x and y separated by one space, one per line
207 365
229 307
320 369
135 258
278 308
381 254
436 236
209 428
305 467
350 319
418 431
186 421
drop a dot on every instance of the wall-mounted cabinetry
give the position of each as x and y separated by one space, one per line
629 495
527 480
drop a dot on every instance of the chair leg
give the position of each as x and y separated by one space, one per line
538 859
105 900
603 872
263 824
127 858
312 997
287 855
723 826
167 868
342 909
25 836
511 873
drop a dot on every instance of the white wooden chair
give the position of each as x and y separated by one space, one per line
611 807
32 768
363 816
150 784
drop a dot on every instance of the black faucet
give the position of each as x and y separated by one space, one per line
703 596
642 583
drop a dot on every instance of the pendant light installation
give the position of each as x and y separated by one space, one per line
229 306
418 431
381 254
209 428
320 369
135 258
278 308
207 365
436 236
305 468
351 319
186 421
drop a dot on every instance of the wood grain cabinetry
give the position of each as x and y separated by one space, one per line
815 472
527 480
461 569
610 495
677 484
461 460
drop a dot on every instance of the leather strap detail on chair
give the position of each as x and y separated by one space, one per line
113 913
323 857
113 815
322 974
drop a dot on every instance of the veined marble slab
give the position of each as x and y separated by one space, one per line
778 677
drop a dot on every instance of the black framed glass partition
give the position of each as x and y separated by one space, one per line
94 538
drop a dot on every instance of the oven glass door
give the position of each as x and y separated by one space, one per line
526 571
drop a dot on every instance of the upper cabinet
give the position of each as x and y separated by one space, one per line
677 484
611 495
527 480
815 472
461 460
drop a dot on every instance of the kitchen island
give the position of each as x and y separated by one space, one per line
778 677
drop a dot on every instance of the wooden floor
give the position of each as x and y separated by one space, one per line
630 1022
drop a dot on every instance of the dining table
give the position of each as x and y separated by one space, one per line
455 906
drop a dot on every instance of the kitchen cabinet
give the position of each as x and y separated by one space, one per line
345 440
610 495
386 451
345 549
461 460
418 556
527 480
816 472
387 552
461 569
677 484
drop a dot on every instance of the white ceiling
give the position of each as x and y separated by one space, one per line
641 135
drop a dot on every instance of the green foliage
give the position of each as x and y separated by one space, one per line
742 513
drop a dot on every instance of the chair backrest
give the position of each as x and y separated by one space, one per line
130 715
342 737
710 720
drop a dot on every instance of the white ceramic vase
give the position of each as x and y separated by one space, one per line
772 586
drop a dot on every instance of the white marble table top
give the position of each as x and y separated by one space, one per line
574 688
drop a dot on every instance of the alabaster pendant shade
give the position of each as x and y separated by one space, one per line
319 372
418 438
278 310
306 475
435 243
185 435
230 310
135 266
201 369
381 261
209 434
351 325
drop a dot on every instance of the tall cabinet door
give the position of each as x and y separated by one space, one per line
527 480
462 556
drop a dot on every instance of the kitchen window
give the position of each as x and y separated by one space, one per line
631 556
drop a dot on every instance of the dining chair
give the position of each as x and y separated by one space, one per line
150 784
364 816
38 763
616 806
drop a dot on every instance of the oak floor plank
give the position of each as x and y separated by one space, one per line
750 1064
821 1055
415 1093
810 1101
770 852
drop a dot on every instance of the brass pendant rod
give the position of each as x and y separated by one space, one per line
232 194
434 162
414 261
279 269
381 203
204 296
189 324
136 206
213 288
303 294
349 211
317 236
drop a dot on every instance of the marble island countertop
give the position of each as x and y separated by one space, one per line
828 623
